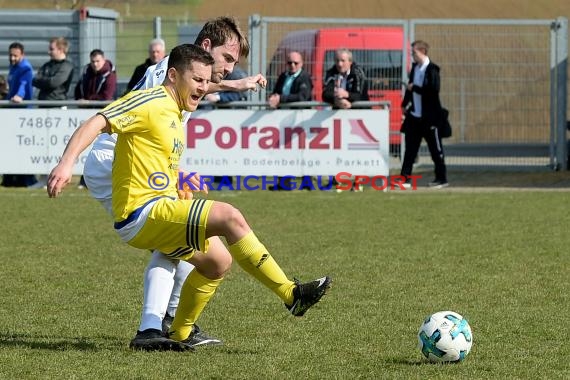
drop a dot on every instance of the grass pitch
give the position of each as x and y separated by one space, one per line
71 290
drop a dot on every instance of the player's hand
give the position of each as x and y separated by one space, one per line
274 100
194 180
251 83
183 194
342 104
16 99
57 179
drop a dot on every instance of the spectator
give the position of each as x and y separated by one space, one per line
423 114
156 51
293 85
20 75
54 77
19 88
53 80
345 82
98 80
3 87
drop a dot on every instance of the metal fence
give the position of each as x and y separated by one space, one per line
501 81
504 81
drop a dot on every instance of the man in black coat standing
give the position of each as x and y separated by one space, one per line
423 114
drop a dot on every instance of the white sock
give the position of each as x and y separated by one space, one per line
182 271
158 282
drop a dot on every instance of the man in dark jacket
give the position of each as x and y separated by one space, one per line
293 85
54 77
345 82
156 52
423 114
98 80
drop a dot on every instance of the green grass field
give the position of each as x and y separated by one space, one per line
71 290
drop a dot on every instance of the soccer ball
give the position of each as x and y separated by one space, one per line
445 337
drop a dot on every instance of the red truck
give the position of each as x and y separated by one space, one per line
378 50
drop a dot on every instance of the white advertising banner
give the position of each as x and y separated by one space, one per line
32 140
221 142
288 142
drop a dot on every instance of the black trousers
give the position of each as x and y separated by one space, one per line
417 130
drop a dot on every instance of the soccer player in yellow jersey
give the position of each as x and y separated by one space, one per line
164 276
148 211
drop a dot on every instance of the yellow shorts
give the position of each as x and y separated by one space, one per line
175 227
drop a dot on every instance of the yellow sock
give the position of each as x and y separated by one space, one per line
195 294
254 258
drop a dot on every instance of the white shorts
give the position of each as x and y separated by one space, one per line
98 169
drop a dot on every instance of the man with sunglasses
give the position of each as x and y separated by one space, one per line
293 85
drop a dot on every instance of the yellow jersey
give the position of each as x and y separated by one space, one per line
150 142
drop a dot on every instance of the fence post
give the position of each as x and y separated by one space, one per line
157 27
255 50
561 68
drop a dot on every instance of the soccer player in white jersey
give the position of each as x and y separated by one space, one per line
163 277
164 218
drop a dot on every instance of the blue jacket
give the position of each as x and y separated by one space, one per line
20 79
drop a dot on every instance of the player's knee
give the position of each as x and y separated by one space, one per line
235 218
226 220
216 265
224 265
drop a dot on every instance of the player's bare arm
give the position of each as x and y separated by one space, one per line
80 140
244 84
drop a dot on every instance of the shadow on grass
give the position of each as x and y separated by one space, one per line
408 362
52 342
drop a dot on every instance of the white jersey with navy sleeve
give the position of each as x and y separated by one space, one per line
153 76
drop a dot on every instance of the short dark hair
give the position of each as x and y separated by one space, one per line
95 52
16 45
182 56
222 29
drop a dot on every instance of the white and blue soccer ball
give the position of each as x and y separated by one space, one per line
445 336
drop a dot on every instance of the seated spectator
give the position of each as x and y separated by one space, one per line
17 89
156 52
20 75
3 87
293 85
54 77
98 79
345 82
